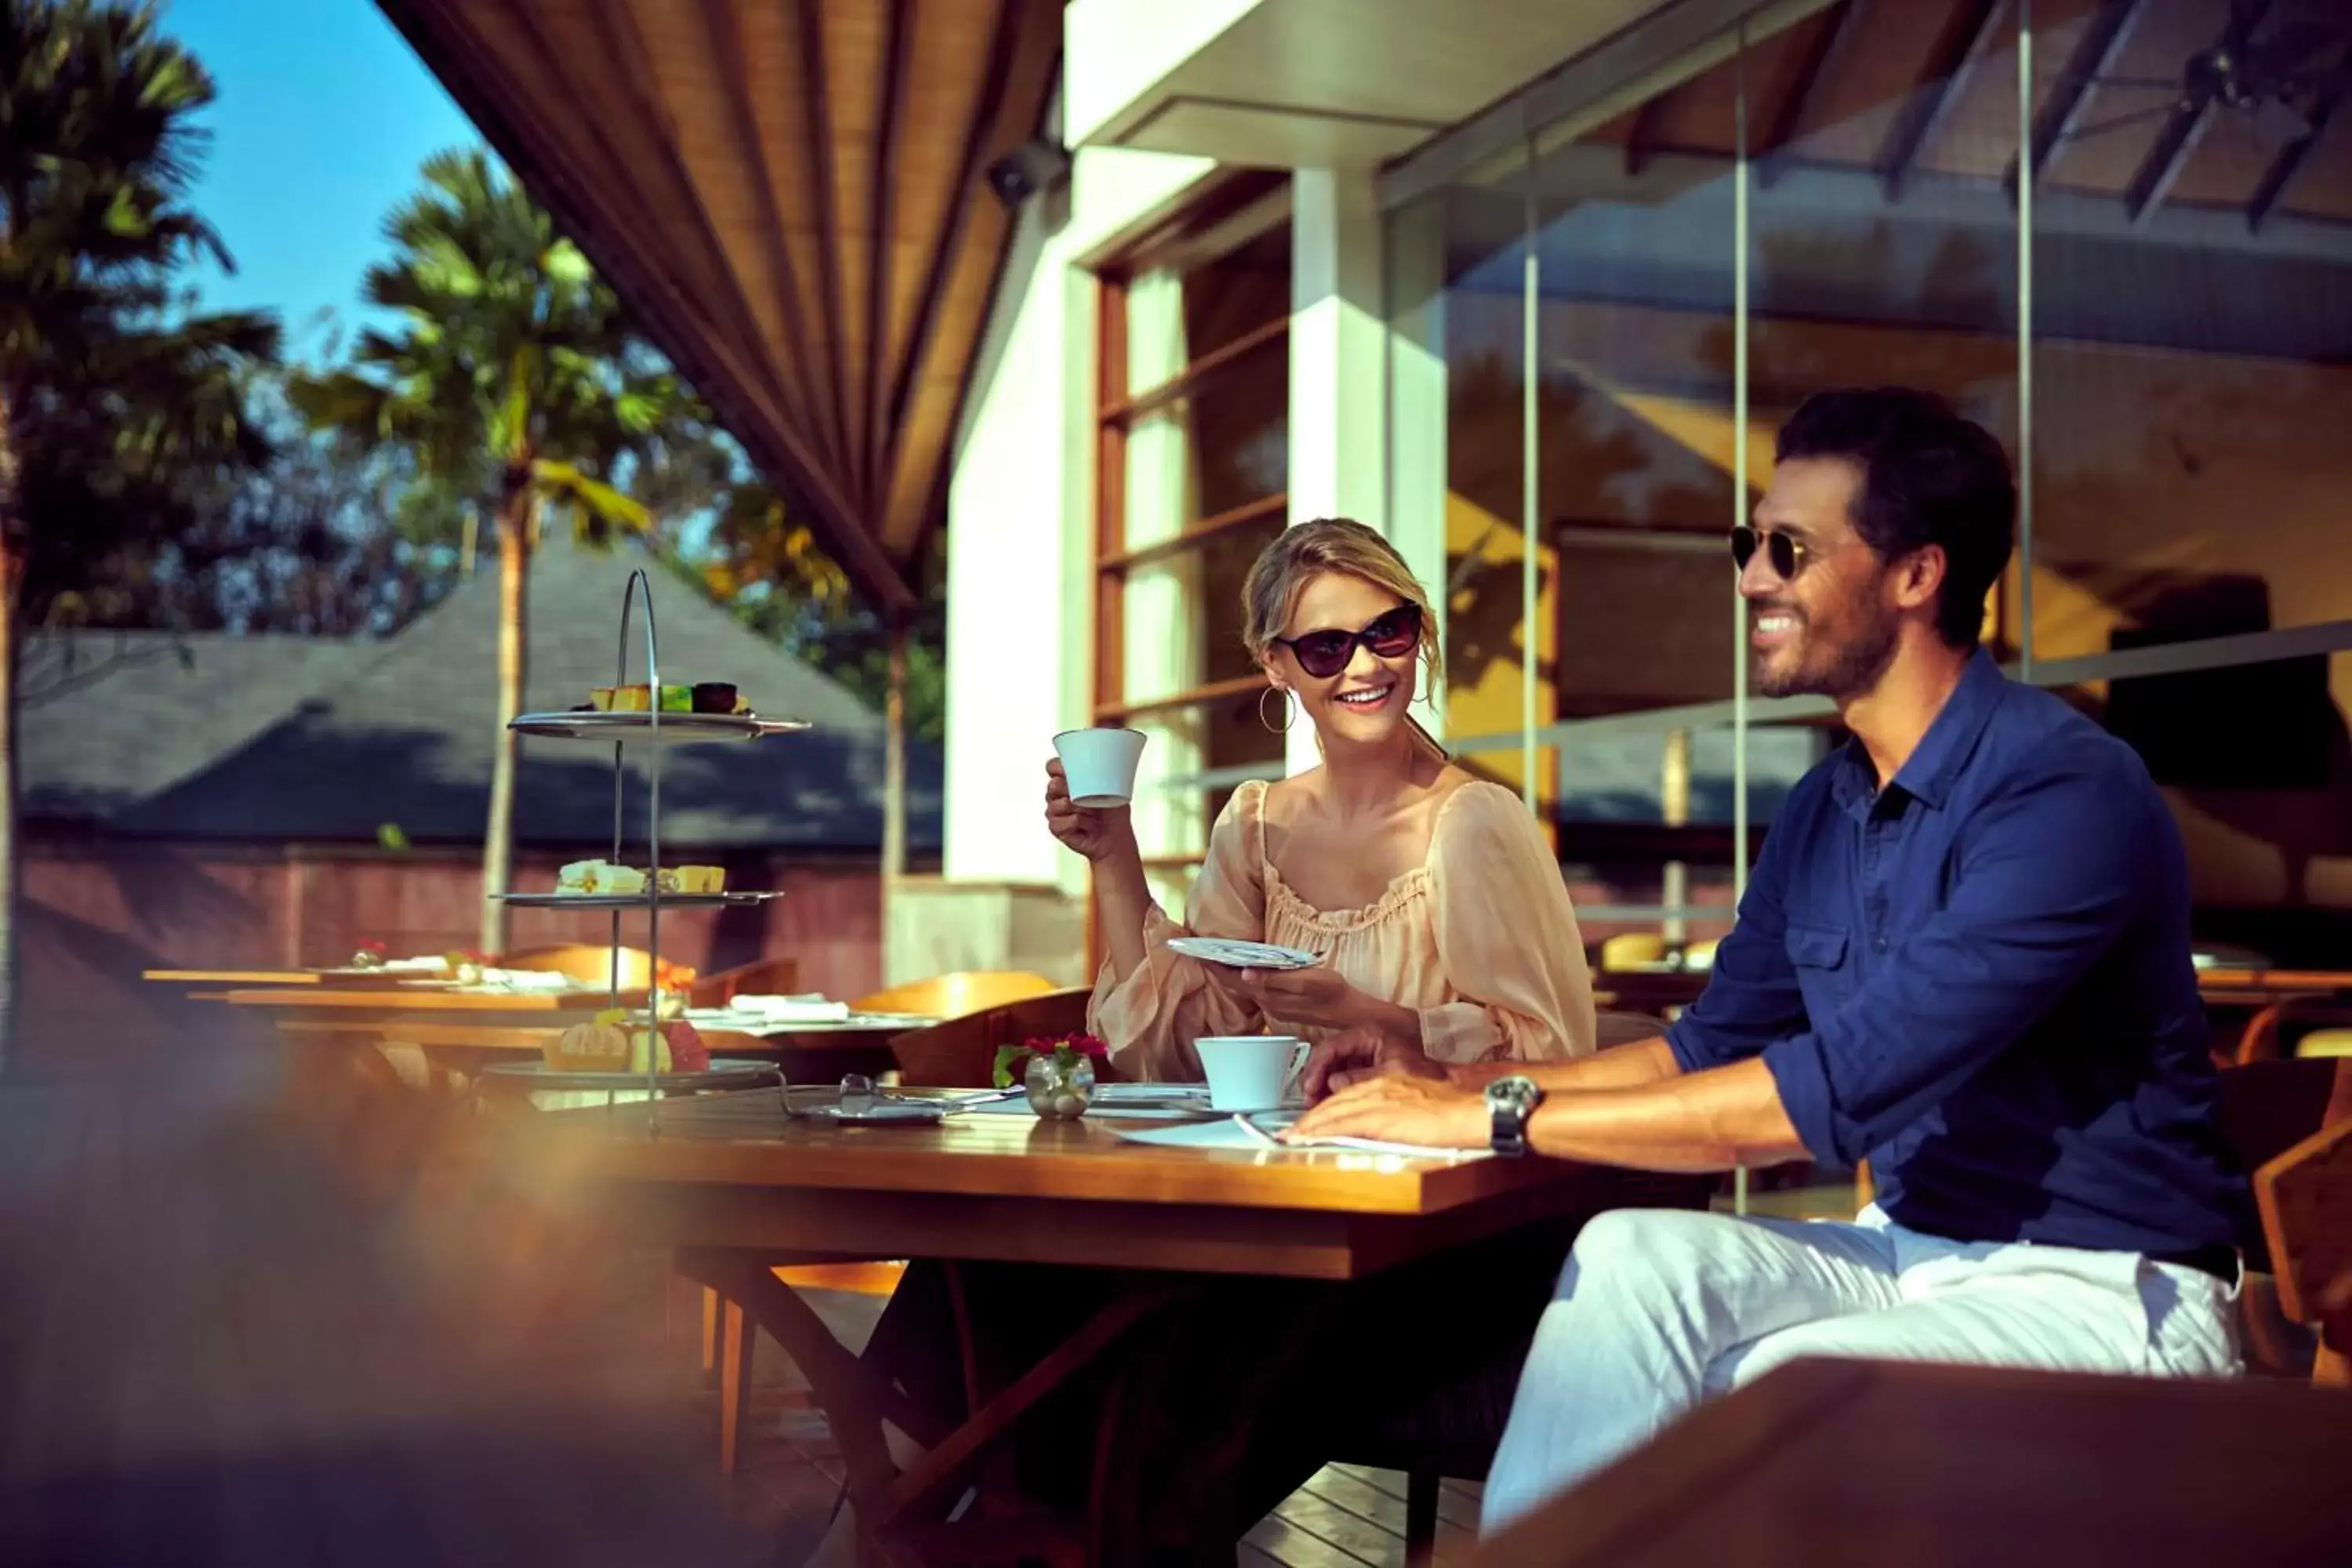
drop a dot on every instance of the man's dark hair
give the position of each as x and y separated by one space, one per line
1928 476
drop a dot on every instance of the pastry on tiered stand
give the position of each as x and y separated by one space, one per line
595 877
606 1046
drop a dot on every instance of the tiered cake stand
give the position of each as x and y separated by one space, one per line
653 731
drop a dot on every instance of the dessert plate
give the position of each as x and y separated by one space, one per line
1243 954
677 727
633 900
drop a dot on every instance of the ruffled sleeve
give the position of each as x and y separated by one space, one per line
1506 936
1150 1019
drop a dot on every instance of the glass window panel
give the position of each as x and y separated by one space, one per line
1626 777
1183 621
2256 765
1244 291
1884 241
1636 427
1457 261
1172 819
2192 355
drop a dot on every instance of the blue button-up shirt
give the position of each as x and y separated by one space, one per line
1979 978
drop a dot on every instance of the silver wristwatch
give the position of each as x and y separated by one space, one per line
1509 1102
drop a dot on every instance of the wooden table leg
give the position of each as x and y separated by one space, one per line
894 1510
734 1388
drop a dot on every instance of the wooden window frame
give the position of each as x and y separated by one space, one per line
1233 211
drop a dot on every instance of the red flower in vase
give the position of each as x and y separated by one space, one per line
1066 1049
1069 1044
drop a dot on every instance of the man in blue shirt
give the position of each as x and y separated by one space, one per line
1963 955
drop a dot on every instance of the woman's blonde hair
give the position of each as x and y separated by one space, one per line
1305 552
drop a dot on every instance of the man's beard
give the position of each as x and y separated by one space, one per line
1854 668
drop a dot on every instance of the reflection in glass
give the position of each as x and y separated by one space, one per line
2193 340
2256 764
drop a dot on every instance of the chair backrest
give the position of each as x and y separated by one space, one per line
591 963
2260 1040
958 1052
2305 1198
2289 1124
955 995
761 977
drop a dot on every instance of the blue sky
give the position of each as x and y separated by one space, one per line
323 115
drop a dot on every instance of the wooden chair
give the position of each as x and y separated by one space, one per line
761 977
959 1052
2305 1193
2305 1198
2268 1111
955 995
2260 1040
591 963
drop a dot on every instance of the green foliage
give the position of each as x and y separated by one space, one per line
118 404
513 374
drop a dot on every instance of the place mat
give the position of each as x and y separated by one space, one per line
1236 955
1115 1110
1255 1133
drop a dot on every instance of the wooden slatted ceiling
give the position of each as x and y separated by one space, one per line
792 193
1905 86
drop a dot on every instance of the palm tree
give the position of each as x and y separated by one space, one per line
517 387
110 394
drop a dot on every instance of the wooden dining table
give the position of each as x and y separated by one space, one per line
1829 1462
2260 987
735 1187
458 1030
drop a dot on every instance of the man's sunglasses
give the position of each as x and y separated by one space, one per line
1325 654
1787 557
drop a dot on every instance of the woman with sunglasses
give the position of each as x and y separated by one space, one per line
1432 896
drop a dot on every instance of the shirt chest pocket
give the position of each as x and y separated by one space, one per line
1818 956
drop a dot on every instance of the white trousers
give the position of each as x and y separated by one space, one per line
1658 1309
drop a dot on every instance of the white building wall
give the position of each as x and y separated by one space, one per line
1114 51
1020 522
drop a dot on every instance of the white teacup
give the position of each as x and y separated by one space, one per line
1099 765
1250 1072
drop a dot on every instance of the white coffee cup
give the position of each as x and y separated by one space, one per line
1099 765
1250 1072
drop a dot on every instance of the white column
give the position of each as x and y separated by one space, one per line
1367 406
1414 247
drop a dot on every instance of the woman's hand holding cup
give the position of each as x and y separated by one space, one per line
1095 832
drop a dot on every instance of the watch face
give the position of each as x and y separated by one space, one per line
1515 1091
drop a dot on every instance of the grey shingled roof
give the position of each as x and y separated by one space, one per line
289 738
110 719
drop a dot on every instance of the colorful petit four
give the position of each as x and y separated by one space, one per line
599 877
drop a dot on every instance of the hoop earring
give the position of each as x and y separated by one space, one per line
1290 710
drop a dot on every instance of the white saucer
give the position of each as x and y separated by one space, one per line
1242 954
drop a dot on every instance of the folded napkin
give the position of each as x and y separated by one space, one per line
530 980
806 1009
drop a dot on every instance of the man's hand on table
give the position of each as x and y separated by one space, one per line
1359 1055
1398 1108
